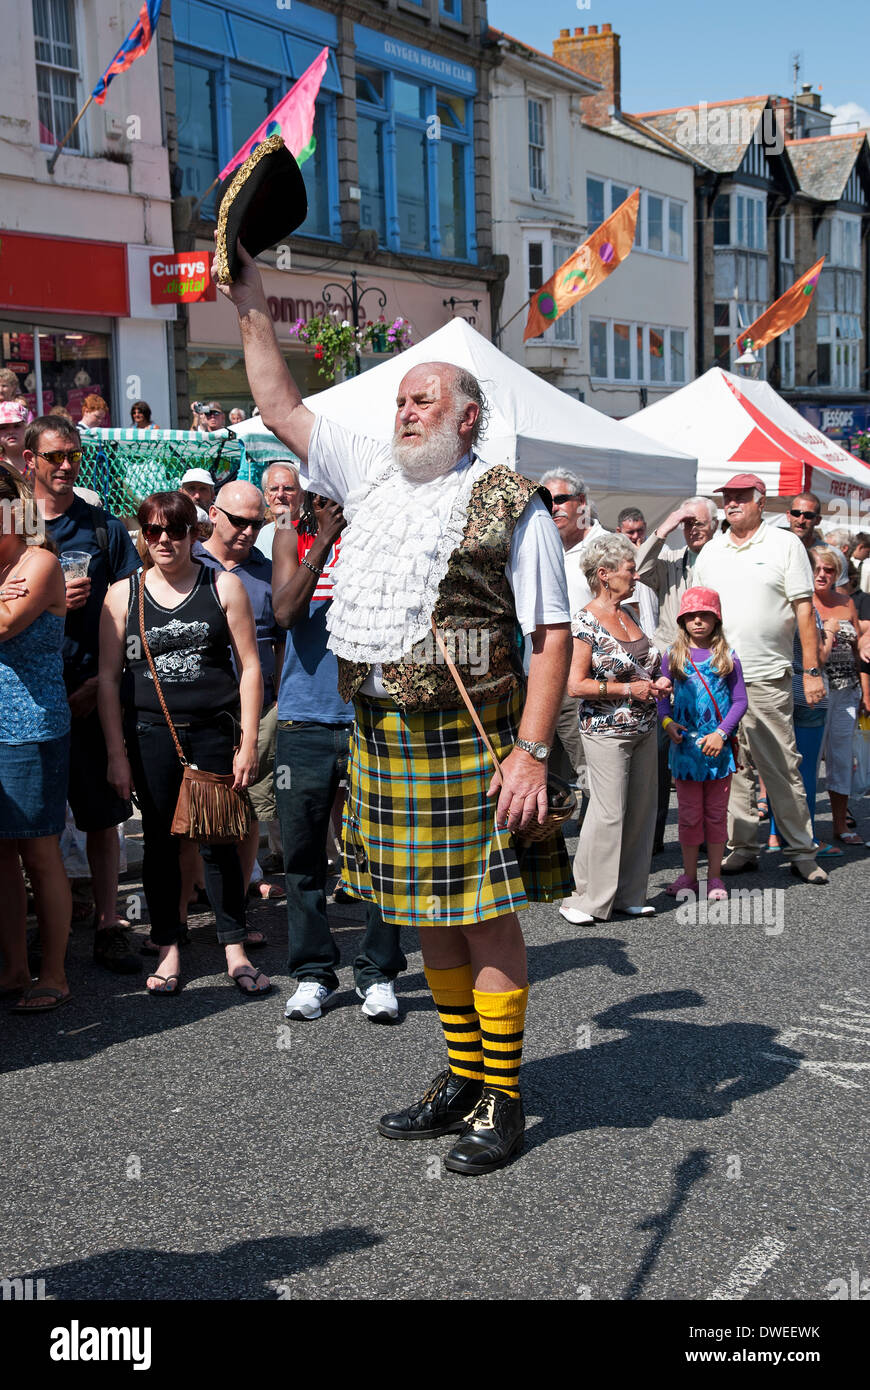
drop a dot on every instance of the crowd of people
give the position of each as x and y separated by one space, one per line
279 638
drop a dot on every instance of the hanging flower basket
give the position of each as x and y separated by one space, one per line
335 343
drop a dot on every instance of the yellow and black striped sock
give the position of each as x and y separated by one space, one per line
502 1023
452 991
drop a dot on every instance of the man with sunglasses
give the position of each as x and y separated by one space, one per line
53 452
237 516
212 416
804 515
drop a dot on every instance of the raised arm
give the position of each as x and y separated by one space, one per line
293 584
272 386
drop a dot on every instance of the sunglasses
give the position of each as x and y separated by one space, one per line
805 516
57 456
211 412
823 569
567 497
153 530
240 522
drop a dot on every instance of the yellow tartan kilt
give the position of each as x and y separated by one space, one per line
419 833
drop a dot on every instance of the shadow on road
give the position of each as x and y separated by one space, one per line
693 1168
251 1269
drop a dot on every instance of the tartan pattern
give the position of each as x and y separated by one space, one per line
419 834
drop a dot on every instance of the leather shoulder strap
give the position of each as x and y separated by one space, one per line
465 697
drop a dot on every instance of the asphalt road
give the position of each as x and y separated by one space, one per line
696 1097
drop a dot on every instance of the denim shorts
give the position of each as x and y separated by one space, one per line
33 781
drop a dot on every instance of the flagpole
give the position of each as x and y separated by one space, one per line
517 314
202 197
54 157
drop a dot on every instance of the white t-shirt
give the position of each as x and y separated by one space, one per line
757 581
340 462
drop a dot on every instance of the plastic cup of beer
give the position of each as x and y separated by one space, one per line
75 563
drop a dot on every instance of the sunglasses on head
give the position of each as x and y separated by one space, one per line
153 530
805 516
57 456
240 522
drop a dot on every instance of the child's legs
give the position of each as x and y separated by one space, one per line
716 794
690 822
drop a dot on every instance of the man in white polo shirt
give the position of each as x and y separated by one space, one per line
765 583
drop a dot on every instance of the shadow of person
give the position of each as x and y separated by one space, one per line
250 1269
662 1067
579 953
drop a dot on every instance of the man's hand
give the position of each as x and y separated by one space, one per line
522 791
83 701
814 689
246 291
677 517
77 593
330 520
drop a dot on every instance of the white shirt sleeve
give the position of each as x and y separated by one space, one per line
536 569
340 461
797 571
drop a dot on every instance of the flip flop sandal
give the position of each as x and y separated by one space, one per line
828 852
247 972
763 814
168 978
850 821
850 838
40 992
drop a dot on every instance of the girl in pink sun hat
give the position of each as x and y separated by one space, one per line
709 700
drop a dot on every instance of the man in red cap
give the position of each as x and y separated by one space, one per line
766 583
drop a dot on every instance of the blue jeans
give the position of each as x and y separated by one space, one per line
310 761
809 744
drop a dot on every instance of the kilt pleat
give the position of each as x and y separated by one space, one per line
419 833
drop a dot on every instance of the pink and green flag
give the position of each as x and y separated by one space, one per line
292 118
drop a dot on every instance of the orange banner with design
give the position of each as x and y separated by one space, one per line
783 312
591 263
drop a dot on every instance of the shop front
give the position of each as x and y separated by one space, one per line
215 360
76 320
846 422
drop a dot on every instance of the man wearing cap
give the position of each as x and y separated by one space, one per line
199 486
765 582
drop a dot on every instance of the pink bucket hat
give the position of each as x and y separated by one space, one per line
700 601
14 413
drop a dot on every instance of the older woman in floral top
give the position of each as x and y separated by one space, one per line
615 671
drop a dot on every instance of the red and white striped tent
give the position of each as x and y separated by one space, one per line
735 425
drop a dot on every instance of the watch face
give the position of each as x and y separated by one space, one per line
540 751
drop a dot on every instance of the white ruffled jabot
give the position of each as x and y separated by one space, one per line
394 555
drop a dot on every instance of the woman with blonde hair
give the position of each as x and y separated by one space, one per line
34 750
840 620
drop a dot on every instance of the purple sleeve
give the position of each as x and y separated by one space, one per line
739 699
663 706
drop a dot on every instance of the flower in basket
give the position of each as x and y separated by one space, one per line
399 334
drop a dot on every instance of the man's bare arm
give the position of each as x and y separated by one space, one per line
523 793
272 386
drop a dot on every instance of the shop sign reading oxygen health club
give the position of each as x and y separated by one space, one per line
182 279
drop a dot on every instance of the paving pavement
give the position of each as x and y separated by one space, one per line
696 1094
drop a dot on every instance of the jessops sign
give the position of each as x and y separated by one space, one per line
181 279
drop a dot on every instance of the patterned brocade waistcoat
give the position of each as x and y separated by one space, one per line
474 611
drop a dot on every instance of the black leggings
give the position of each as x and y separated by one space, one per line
157 776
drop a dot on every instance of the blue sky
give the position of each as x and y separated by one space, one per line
678 52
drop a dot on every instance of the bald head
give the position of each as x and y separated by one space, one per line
237 516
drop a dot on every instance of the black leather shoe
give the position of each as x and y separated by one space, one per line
492 1135
442 1110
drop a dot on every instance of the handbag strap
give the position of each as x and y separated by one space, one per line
140 579
706 687
465 696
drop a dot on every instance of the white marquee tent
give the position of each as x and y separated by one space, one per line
736 425
533 426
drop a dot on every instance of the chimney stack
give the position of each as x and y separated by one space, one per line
595 55
807 97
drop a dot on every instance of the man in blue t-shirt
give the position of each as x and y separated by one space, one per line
314 726
53 450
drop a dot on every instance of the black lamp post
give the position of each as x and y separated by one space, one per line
356 296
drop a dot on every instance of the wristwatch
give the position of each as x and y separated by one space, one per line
812 671
541 751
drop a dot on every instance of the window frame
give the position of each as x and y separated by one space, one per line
533 99
640 373
641 235
549 239
79 82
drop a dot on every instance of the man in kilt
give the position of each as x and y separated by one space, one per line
438 539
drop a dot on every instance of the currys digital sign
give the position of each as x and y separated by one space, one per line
181 279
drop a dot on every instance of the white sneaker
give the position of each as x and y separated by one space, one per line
646 911
573 914
306 1002
380 1001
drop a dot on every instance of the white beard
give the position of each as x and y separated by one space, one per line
438 454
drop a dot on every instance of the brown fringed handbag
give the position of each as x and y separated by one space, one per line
561 801
209 810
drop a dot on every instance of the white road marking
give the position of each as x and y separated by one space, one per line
748 1271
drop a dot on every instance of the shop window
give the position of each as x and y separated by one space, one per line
255 43
252 102
408 98
370 156
315 175
57 71
411 182
197 135
72 364
370 85
450 110
451 199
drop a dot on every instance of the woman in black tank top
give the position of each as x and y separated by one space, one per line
195 620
